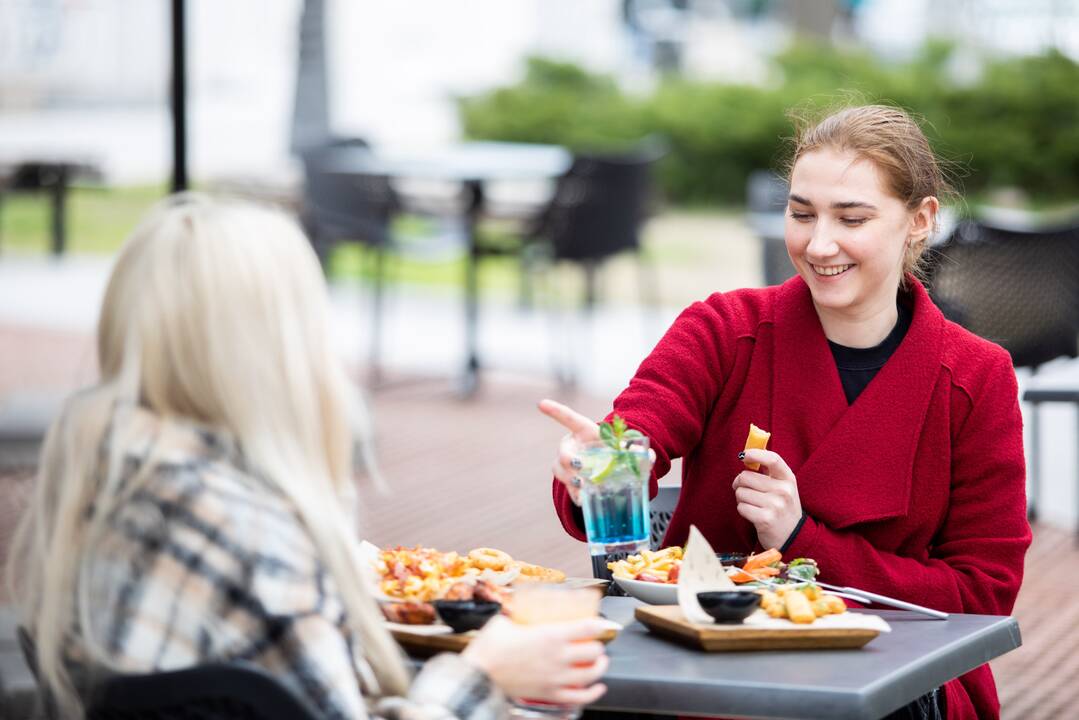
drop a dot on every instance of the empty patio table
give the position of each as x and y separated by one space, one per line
472 165
655 675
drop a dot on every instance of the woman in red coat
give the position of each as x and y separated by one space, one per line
896 457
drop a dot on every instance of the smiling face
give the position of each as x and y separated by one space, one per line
847 234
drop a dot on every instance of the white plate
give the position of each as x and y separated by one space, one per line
650 592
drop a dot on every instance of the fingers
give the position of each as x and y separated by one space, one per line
583 653
759 482
565 473
748 496
582 427
583 675
755 514
771 463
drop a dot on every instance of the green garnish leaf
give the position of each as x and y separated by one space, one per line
616 435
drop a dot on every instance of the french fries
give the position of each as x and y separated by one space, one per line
656 565
757 440
800 604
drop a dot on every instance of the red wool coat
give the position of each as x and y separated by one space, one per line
916 490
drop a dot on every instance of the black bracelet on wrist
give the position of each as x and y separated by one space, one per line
794 534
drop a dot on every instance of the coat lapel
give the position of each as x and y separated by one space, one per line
854 464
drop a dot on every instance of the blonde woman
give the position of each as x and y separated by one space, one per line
192 506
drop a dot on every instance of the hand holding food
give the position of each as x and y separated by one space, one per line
769 498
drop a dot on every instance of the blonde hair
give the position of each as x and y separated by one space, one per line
215 312
892 140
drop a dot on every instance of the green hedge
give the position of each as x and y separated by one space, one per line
1017 124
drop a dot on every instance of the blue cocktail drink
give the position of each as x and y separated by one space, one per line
614 494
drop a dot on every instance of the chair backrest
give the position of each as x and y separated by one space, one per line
345 206
1018 289
660 510
599 206
205 692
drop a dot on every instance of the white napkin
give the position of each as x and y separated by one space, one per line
701 572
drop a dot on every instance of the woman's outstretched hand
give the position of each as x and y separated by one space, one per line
769 498
581 430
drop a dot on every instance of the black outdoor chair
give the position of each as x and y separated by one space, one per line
350 208
659 516
1019 289
597 211
224 691
766 203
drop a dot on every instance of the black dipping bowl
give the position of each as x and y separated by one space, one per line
729 606
465 615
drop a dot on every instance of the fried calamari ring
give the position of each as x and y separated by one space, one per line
489 559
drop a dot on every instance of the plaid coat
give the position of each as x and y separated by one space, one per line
204 561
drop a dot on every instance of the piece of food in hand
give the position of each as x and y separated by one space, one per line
757 440
409 613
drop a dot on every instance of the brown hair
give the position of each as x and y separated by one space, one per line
894 142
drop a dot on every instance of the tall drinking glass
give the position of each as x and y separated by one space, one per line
541 603
614 494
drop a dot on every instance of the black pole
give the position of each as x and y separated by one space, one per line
179 97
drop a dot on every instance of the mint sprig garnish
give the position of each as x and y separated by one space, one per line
616 436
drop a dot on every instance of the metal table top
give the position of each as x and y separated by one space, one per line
652 674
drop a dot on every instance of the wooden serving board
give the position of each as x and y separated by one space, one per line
425 645
668 621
